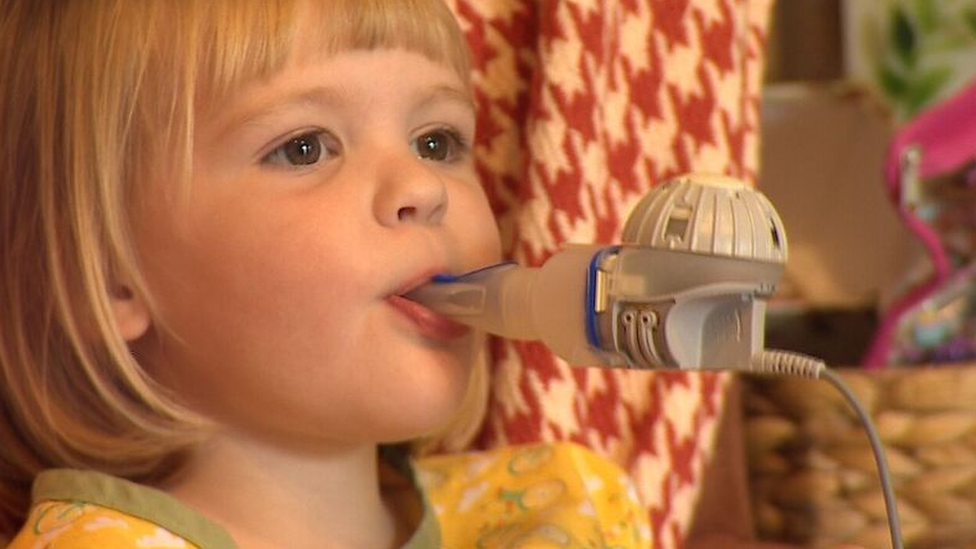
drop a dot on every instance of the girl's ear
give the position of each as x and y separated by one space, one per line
131 315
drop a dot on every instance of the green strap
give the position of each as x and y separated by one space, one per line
164 510
132 499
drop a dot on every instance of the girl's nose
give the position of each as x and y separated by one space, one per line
410 191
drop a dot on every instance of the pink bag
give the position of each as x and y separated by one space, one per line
930 177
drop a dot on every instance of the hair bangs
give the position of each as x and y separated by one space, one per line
426 27
246 42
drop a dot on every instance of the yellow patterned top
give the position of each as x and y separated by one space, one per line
542 495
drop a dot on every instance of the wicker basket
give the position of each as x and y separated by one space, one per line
813 475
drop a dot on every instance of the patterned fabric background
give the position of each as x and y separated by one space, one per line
584 105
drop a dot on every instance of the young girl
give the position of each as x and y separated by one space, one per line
209 214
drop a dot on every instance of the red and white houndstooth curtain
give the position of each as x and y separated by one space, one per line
583 106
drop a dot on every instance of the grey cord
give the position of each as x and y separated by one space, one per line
795 364
894 525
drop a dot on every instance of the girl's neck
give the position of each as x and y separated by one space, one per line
268 498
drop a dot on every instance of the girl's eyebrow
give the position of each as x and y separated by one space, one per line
331 96
446 93
327 96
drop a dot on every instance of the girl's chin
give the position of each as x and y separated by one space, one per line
428 410
425 386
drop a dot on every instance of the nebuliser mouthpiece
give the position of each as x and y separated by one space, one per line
685 289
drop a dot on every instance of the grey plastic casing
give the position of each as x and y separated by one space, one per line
685 289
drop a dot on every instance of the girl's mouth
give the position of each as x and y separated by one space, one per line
430 324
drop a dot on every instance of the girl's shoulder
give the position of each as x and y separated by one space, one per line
81 525
547 492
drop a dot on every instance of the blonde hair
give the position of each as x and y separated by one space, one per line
92 89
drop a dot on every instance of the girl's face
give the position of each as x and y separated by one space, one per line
318 196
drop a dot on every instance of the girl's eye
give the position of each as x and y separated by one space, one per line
299 151
440 146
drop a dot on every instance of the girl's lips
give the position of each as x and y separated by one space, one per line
428 323
418 281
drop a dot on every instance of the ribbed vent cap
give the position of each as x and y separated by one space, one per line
708 214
